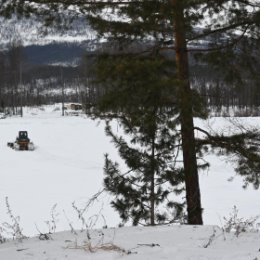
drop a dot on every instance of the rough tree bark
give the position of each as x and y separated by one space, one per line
186 117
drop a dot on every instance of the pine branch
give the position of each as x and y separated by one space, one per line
229 27
225 46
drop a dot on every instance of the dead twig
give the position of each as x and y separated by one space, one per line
104 247
150 245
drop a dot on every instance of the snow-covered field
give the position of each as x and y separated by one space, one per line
67 166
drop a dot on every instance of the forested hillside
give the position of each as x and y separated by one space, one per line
44 69
36 61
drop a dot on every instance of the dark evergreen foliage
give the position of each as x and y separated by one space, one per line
145 109
230 23
145 192
243 149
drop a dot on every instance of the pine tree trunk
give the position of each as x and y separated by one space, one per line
152 196
186 117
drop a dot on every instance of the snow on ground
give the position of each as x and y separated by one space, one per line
218 194
67 166
139 243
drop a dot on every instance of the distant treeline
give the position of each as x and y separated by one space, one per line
24 83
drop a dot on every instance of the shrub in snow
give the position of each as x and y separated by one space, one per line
13 228
2 238
238 225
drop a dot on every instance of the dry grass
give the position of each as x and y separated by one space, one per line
87 246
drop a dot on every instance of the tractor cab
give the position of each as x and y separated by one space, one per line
22 136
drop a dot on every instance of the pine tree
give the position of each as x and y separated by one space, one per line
145 193
144 107
173 21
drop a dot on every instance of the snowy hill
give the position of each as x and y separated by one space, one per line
32 32
46 45
139 243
